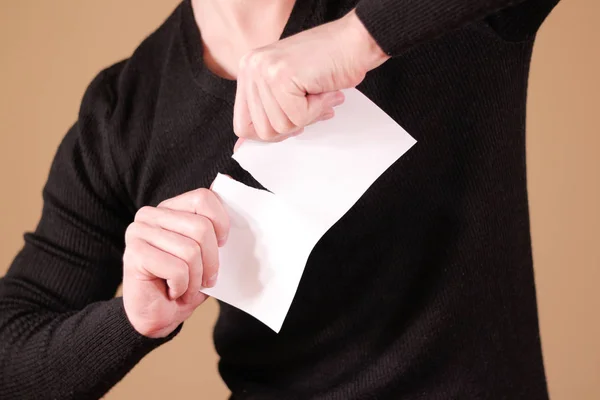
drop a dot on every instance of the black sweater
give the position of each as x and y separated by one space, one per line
424 290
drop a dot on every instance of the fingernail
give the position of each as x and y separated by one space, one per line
211 281
221 241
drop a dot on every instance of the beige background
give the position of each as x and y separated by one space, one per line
52 49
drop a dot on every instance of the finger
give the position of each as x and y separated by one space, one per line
327 114
262 125
197 300
202 202
199 247
182 247
319 105
302 110
281 138
242 122
277 118
153 263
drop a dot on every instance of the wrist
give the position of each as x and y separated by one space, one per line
369 54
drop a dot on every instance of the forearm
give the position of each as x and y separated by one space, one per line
62 335
397 25
69 355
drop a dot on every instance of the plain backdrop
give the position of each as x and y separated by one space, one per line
50 51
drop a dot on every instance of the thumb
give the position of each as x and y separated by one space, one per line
319 104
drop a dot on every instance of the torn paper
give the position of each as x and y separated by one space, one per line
313 179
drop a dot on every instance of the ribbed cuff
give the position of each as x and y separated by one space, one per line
382 24
100 346
398 25
118 322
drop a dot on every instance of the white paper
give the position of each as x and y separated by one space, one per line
313 179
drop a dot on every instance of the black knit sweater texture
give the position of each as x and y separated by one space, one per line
423 290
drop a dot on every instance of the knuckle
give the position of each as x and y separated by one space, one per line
131 233
162 203
200 198
256 60
200 228
276 71
191 253
131 255
180 273
143 213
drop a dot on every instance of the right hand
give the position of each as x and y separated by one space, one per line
171 253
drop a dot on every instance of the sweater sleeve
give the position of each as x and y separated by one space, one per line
62 334
396 25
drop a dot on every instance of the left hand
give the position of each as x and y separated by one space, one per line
296 81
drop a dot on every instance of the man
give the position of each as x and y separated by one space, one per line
423 290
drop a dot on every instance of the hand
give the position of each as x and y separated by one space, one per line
171 252
295 82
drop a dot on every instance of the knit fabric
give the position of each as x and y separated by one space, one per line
423 290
